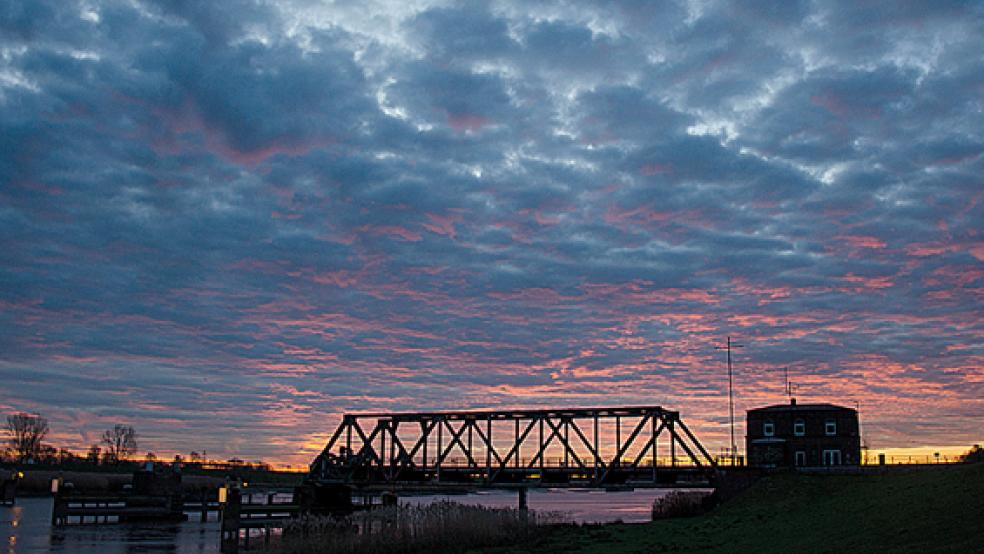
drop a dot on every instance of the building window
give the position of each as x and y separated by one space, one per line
830 428
768 429
799 427
831 457
800 458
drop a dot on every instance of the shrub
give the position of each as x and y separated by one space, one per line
975 454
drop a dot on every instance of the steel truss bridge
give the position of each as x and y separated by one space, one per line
594 447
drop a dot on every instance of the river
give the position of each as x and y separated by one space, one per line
26 527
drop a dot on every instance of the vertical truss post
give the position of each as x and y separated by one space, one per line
440 447
488 450
468 453
652 433
673 440
540 452
517 443
567 448
381 425
597 453
618 438
425 437
393 440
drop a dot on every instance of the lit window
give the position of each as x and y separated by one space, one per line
831 427
799 428
768 429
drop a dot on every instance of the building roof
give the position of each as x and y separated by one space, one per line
794 407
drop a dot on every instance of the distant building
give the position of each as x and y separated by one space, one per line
803 435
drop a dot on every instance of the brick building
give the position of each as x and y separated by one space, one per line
803 435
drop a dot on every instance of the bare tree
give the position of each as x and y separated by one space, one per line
120 441
25 435
93 455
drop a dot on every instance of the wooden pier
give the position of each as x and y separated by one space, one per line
153 496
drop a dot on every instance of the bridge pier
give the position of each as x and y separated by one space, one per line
522 499
323 498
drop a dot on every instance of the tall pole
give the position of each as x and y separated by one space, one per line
731 396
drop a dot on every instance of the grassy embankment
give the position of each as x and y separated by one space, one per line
928 510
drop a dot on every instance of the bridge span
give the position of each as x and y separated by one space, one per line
588 447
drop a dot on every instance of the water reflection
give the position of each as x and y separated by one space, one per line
27 529
572 505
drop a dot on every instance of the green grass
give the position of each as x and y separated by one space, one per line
930 510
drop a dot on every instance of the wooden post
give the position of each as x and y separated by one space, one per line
522 499
204 506
59 508
230 522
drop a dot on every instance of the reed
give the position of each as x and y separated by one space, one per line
441 527
680 504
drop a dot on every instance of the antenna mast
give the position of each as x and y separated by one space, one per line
731 396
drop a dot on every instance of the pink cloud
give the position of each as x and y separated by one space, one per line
467 122
443 224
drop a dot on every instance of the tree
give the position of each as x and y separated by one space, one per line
976 454
26 433
66 456
120 441
93 455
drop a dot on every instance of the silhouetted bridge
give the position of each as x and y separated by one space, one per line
594 447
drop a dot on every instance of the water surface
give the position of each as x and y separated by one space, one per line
26 527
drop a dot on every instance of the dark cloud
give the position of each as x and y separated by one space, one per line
251 216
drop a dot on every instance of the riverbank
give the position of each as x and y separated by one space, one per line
925 510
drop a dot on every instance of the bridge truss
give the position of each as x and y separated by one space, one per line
577 447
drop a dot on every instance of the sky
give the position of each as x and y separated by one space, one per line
226 223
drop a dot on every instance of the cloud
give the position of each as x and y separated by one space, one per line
242 219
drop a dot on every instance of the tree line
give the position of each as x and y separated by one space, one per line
26 434
25 444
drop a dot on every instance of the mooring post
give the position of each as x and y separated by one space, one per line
59 508
204 500
230 522
522 499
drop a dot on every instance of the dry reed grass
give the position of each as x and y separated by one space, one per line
680 504
441 527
